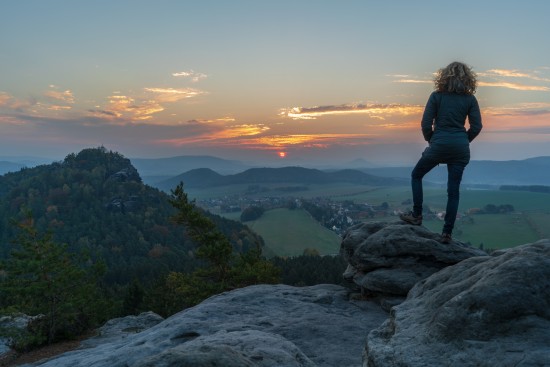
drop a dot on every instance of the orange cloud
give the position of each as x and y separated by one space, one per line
515 86
173 94
414 81
491 78
64 96
215 133
380 111
252 137
195 77
4 99
236 131
58 108
209 121
280 141
507 73
514 74
125 107
8 101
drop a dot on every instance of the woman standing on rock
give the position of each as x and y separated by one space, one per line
443 127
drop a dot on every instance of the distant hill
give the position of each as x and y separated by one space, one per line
157 169
208 178
95 201
6 167
532 171
15 163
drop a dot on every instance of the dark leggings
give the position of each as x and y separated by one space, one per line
455 170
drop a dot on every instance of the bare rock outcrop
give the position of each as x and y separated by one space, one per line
387 259
263 325
484 311
123 327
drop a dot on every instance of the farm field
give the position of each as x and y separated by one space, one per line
289 232
529 222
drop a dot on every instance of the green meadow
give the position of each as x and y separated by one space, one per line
289 232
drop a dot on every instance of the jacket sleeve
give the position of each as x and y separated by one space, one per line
430 113
474 119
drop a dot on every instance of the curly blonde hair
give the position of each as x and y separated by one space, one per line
457 77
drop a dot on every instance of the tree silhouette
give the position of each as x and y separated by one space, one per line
224 270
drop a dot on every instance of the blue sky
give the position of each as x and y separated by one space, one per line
320 81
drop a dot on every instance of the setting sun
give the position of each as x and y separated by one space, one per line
282 154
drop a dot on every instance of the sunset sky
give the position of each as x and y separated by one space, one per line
298 81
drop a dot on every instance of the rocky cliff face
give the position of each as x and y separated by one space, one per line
484 311
387 259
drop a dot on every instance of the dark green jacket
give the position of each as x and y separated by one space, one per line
444 119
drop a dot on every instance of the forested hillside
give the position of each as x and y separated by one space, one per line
95 202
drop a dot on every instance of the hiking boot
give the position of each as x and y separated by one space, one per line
411 218
446 238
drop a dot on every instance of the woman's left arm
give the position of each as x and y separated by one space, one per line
430 113
474 119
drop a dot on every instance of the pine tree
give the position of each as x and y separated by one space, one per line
133 299
224 270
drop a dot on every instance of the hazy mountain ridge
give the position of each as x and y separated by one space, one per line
6 167
205 177
531 171
174 165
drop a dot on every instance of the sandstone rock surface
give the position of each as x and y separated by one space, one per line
388 259
484 311
122 327
264 325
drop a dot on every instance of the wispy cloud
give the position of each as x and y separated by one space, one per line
499 78
414 81
373 110
125 106
515 74
215 121
237 131
215 134
519 110
118 108
60 95
515 86
4 99
311 140
194 76
173 94
410 79
9 102
58 108
122 108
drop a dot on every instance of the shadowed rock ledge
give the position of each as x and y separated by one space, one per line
387 259
484 311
